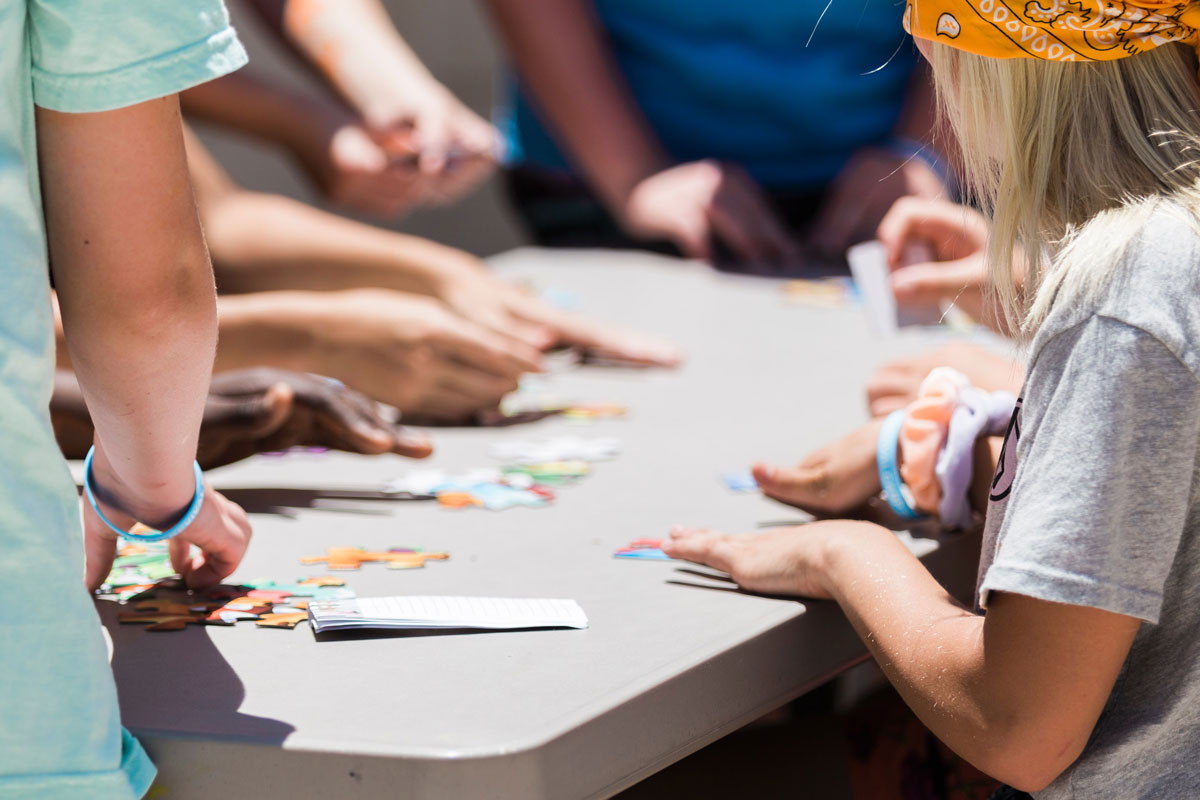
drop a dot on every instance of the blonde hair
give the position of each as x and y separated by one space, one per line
1069 159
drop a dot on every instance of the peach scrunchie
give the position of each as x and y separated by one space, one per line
923 431
1054 30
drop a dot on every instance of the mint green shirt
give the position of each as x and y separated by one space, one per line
60 733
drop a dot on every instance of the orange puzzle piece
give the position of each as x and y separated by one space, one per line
355 557
286 619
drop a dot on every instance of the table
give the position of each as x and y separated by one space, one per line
674 657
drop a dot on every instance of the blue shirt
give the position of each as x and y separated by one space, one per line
60 733
761 84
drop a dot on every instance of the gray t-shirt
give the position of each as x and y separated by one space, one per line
1096 502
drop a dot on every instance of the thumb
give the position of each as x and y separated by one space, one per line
352 148
100 552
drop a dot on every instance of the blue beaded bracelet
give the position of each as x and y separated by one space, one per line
894 491
189 516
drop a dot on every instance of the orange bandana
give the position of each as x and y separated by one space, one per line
1053 30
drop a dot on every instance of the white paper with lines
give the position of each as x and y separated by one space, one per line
418 612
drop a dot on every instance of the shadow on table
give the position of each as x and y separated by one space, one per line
286 501
177 683
419 633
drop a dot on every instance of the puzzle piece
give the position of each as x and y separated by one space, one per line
595 411
287 619
834 292
643 549
550 472
355 557
323 587
137 567
741 482
161 615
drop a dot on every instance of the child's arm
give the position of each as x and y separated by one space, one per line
135 291
262 242
139 317
1016 693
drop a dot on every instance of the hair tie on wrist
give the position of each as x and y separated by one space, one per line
189 516
894 490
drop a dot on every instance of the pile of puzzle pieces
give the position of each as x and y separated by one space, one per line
267 603
142 578
528 479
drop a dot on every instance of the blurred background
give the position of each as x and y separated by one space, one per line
454 41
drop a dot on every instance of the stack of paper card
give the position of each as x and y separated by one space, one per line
432 612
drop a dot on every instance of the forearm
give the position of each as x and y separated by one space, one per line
270 329
562 58
265 110
926 643
135 291
266 242
978 698
356 46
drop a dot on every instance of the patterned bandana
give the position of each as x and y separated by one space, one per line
1054 30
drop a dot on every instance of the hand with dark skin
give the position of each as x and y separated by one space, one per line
256 410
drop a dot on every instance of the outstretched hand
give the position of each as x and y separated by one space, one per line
832 480
790 560
256 410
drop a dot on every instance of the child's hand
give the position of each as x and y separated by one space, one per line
832 480
474 293
895 384
777 561
221 531
957 236
696 204
414 353
594 336
872 181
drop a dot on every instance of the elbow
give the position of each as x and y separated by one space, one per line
1029 761
180 297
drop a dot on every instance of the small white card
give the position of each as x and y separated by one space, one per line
869 266
432 612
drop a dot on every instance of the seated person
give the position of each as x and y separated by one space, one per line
1072 671
713 129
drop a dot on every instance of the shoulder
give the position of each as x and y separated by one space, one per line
1154 288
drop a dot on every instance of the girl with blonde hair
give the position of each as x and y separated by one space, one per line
1077 674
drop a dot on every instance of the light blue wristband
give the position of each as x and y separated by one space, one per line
189 516
894 491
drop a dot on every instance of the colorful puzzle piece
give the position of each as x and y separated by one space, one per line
282 619
550 472
643 549
595 411
355 557
834 292
741 482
